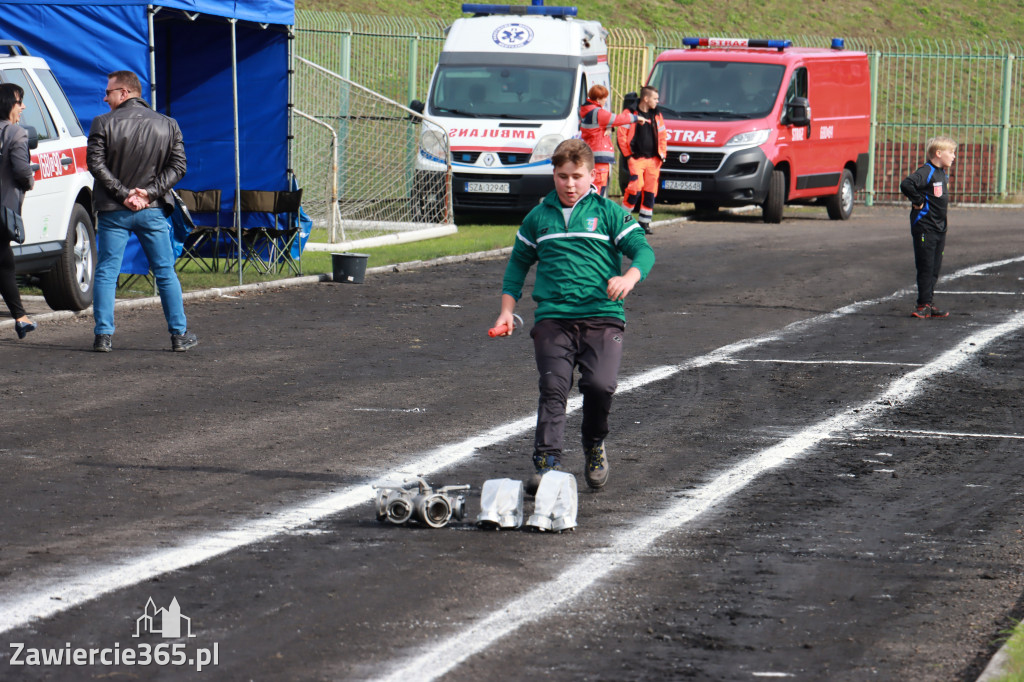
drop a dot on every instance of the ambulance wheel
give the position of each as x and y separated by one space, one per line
428 200
771 210
840 204
68 286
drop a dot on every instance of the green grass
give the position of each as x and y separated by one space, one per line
1014 669
963 20
469 239
472 237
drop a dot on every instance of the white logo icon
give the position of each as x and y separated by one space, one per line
166 622
512 35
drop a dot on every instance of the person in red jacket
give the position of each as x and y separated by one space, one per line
595 125
645 146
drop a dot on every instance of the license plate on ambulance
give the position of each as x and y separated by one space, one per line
683 185
487 187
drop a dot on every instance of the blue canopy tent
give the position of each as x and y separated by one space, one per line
221 69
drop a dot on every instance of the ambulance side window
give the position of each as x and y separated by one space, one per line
36 114
583 91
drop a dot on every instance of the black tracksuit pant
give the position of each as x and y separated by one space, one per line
595 346
928 248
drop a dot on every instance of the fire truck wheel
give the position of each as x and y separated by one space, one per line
840 204
771 211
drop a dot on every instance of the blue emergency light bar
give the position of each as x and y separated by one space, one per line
536 9
737 42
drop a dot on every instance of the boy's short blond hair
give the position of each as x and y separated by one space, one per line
575 150
938 144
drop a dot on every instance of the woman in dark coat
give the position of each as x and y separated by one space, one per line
15 180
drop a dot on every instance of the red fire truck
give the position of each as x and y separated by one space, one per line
762 122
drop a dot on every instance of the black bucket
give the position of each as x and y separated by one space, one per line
349 267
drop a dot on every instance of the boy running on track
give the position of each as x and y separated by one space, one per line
577 239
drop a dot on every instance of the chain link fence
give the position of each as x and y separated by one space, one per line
359 153
919 89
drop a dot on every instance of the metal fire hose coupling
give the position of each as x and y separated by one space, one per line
415 501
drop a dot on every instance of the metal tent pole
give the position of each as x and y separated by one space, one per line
238 161
152 86
292 180
152 58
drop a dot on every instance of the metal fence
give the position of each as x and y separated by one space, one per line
920 88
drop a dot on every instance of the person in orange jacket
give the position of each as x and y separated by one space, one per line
644 144
595 124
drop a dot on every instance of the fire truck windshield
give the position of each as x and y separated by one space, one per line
716 90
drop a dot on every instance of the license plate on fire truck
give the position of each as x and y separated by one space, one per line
684 185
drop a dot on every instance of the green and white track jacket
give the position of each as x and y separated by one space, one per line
576 258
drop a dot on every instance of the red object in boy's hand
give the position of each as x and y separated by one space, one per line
503 328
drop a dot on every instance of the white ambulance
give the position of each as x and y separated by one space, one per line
507 89
60 242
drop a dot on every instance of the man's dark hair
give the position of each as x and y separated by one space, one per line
575 150
647 90
10 94
127 80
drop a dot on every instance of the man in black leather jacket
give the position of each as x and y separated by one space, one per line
136 156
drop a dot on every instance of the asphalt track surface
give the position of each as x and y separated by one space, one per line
807 482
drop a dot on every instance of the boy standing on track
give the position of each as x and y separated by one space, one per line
928 191
577 238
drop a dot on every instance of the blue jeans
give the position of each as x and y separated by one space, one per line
112 232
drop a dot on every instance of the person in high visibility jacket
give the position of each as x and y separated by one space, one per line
645 146
596 123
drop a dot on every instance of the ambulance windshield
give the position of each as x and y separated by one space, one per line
715 90
515 92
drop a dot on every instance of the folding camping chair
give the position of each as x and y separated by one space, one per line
255 242
203 234
285 230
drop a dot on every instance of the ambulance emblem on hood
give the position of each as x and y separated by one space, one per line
512 35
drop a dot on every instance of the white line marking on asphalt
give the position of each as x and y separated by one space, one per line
831 362
544 599
27 600
415 410
938 434
978 293
979 269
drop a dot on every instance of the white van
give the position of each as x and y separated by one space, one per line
60 242
507 89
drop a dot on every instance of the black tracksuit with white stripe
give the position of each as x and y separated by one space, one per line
928 191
